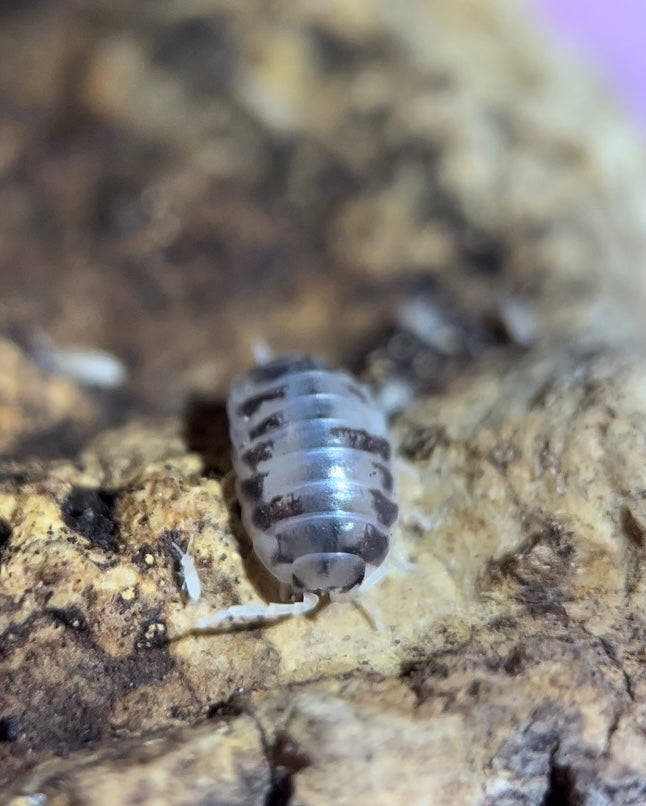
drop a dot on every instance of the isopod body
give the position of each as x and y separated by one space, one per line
312 459
190 578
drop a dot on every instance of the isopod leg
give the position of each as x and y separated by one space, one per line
404 468
396 559
376 577
369 610
372 614
239 615
415 517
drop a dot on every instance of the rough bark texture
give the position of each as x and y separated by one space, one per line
179 179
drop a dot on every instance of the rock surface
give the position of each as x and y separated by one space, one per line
510 664
477 213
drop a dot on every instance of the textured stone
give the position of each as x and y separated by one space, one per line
219 763
509 662
178 180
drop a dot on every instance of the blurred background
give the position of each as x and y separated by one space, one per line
611 37
409 189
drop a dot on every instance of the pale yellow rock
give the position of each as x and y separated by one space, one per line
224 760
525 613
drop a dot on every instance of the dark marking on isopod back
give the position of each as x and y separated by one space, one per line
278 509
307 538
282 554
262 517
283 366
359 439
386 476
385 509
260 453
286 506
373 546
251 405
270 423
252 487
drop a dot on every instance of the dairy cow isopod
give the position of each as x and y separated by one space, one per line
314 478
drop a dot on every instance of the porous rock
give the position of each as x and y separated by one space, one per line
356 157
509 663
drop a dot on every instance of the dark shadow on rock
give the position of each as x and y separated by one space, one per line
92 514
206 431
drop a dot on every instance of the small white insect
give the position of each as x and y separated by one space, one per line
312 459
86 365
190 578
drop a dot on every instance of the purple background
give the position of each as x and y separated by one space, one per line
612 35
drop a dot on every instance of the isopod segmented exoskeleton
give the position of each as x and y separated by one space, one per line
312 459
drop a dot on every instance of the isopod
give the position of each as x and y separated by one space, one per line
190 578
314 478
